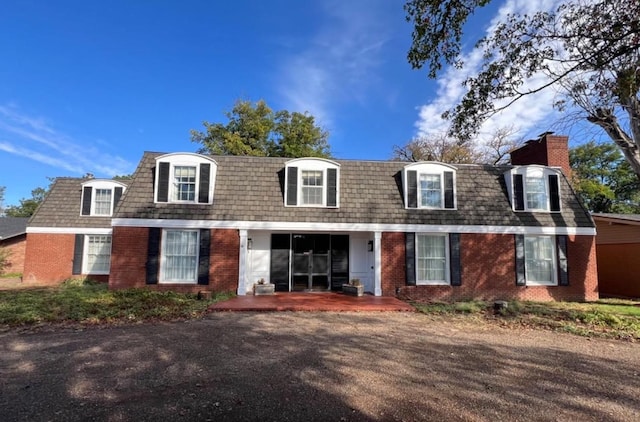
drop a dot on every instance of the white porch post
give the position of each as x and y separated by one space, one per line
242 271
377 263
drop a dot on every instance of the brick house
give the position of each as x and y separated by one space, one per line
618 248
13 239
422 231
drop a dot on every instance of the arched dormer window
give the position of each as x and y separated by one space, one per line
429 185
312 182
533 188
100 197
185 178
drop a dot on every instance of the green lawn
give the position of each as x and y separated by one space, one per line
77 301
611 318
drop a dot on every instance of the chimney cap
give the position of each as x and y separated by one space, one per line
543 134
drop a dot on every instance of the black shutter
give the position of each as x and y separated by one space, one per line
518 192
563 268
454 259
203 259
554 192
205 176
412 189
292 186
520 269
153 253
86 200
339 261
280 251
448 189
78 251
410 256
163 181
117 193
332 187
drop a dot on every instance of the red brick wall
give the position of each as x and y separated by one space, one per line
549 151
618 269
16 246
393 263
488 272
129 260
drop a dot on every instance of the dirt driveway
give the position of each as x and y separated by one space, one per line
316 366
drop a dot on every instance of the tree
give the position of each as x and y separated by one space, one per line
27 206
603 179
255 129
588 50
2 189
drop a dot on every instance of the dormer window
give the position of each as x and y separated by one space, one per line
429 185
312 182
533 188
100 197
185 178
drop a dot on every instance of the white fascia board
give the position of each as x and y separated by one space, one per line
348 227
69 230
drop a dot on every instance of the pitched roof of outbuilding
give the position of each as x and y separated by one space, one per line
619 218
251 189
61 207
12 227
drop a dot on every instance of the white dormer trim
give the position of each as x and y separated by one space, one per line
428 168
166 181
90 187
312 164
529 203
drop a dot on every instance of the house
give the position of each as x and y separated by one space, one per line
420 231
69 235
618 249
13 240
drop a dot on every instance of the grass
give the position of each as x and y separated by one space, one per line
84 302
611 318
11 275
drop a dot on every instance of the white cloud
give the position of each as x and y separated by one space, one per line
35 139
530 115
338 65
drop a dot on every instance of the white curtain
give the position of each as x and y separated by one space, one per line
181 255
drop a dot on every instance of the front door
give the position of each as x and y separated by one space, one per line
311 261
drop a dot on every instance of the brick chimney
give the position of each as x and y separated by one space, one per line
549 150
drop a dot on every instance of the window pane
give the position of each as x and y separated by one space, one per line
536 189
102 202
431 258
184 183
312 187
430 191
98 254
180 255
539 259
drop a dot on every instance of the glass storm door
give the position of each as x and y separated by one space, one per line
311 261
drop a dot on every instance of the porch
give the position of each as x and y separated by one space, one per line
312 302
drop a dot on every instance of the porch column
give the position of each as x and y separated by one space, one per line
242 271
377 263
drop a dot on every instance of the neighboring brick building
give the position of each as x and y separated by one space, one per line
618 249
13 240
421 231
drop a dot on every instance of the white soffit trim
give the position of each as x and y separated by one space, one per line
68 230
348 227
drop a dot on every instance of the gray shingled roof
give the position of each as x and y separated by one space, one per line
251 189
12 226
61 207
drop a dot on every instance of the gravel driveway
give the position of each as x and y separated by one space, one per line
316 366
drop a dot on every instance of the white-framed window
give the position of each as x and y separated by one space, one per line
540 260
429 185
312 187
534 188
99 197
432 259
184 178
97 254
312 182
179 260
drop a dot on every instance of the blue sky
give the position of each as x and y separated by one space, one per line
87 86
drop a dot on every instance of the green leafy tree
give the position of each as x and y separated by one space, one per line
27 206
255 129
589 51
603 179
